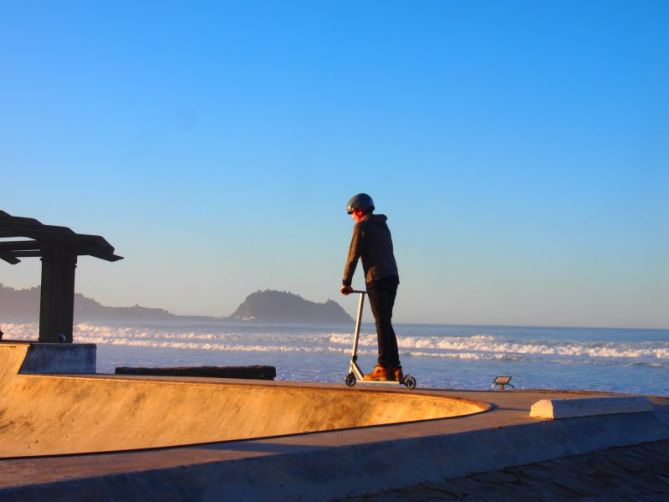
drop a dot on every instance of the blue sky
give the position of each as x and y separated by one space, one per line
518 148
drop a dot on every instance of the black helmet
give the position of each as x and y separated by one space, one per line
361 201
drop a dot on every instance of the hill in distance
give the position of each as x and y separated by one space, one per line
266 306
279 306
23 306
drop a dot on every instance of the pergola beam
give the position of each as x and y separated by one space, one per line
18 245
9 258
28 254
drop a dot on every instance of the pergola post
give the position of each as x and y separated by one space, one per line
58 247
57 296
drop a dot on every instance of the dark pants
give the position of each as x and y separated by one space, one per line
382 299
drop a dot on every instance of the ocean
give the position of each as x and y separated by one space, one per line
438 356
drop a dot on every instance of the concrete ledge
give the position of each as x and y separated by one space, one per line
590 406
60 358
256 372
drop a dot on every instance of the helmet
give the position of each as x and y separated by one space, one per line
362 202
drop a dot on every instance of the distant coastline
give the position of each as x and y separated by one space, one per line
22 305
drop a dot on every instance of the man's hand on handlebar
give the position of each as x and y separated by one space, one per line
346 290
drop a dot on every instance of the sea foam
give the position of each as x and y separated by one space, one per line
479 346
439 356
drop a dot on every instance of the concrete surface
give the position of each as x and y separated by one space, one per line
631 473
59 358
331 464
589 406
47 415
334 464
55 358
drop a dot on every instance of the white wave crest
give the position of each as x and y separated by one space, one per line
478 347
485 344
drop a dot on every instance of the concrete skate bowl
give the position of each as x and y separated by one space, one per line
63 414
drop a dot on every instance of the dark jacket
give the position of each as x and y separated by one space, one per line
372 242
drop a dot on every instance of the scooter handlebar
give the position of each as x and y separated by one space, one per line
359 291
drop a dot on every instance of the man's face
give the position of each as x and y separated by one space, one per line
357 215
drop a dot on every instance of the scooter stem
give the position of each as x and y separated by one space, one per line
358 322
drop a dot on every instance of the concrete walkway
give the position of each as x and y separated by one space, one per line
636 473
337 464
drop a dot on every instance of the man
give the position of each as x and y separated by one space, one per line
373 244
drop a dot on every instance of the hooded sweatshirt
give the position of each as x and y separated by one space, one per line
372 242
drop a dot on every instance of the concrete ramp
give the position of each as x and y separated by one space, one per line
65 414
11 360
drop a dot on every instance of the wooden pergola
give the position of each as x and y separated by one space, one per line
58 247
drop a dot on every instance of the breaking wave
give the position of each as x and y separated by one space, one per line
633 361
486 346
475 347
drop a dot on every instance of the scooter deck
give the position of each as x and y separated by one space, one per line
356 375
380 382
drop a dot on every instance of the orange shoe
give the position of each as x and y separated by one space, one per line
379 373
396 373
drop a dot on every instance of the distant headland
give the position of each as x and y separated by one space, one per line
262 306
281 306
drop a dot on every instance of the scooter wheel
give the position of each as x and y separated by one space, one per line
350 379
410 382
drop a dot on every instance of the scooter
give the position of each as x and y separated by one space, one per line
355 373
